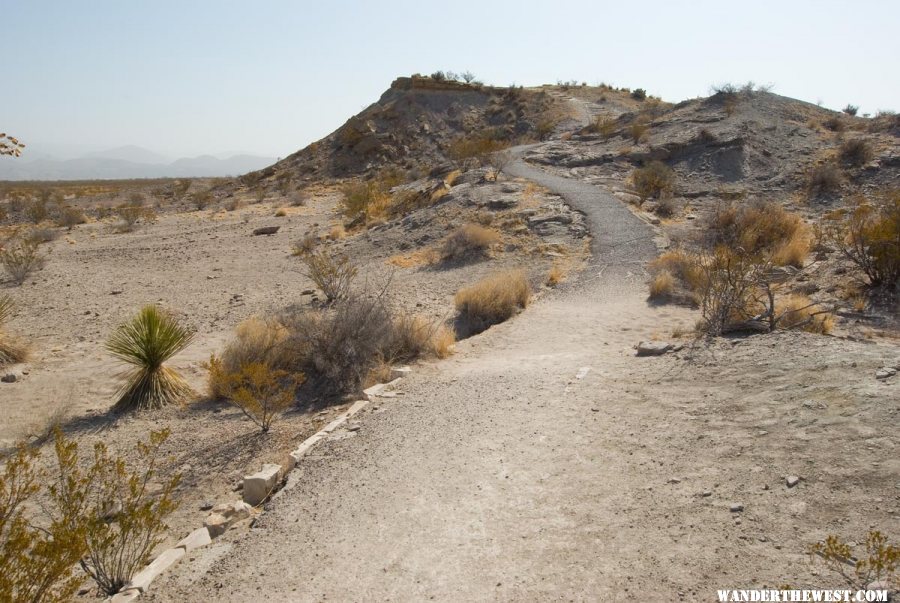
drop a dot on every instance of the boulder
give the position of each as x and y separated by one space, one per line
216 524
266 230
885 372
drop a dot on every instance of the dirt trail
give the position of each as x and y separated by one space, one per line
545 462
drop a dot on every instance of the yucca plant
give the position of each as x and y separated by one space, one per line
146 342
10 350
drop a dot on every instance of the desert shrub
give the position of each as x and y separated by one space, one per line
835 123
603 125
299 198
851 110
439 76
250 179
38 562
260 391
544 128
20 260
68 216
280 212
468 151
856 152
337 347
727 287
666 208
639 94
760 228
180 188
655 179
256 341
284 181
686 271
131 213
868 234
492 300
36 211
824 179
555 276
365 201
332 273
11 351
305 245
469 241
498 162
119 513
799 312
146 342
202 199
416 337
637 130
662 286
39 235
878 564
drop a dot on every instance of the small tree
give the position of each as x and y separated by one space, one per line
261 392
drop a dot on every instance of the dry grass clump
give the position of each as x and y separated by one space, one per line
603 125
799 312
676 277
11 351
492 300
856 152
332 273
556 275
662 286
256 341
655 179
69 216
280 212
468 242
824 179
469 151
637 130
416 337
761 228
21 259
146 342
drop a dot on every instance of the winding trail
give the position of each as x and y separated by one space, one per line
508 472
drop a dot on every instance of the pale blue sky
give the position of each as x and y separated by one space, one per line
185 78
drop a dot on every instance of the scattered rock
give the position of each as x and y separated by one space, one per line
736 507
194 540
653 348
791 481
9 378
706 493
885 372
266 230
353 427
167 559
216 524
206 505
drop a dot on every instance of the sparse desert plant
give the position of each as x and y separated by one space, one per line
799 312
202 199
878 565
824 179
299 198
11 351
415 337
662 286
280 212
469 241
868 234
835 123
851 110
556 275
492 300
37 211
666 208
544 128
728 283
637 130
20 260
499 161
250 179
256 341
117 512
468 151
146 342
69 216
259 194
683 266
655 179
305 245
131 213
760 228
180 188
639 94
856 152
261 392
332 273
603 125
40 235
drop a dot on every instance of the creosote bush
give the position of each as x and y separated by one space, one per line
256 341
492 300
856 152
146 342
11 350
21 259
332 273
100 514
468 242
261 392
879 563
825 179
868 234
655 179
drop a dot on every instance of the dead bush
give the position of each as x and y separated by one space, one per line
36 211
666 208
332 273
417 337
856 152
492 300
835 123
469 241
132 213
20 260
655 179
69 216
637 130
11 350
825 179
472 151
202 199
868 234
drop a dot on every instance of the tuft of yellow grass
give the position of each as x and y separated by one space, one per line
469 240
337 232
493 299
800 311
794 251
662 286
280 212
556 275
442 340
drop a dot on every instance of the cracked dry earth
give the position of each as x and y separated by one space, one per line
544 461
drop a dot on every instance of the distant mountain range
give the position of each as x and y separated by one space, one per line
128 162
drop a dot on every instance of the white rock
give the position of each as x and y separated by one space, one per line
400 371
194 540
885 372
653 348
736 507
260 485
216 524
167 559
791 481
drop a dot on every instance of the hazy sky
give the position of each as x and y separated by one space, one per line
190 77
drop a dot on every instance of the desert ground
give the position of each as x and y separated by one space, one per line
543 459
